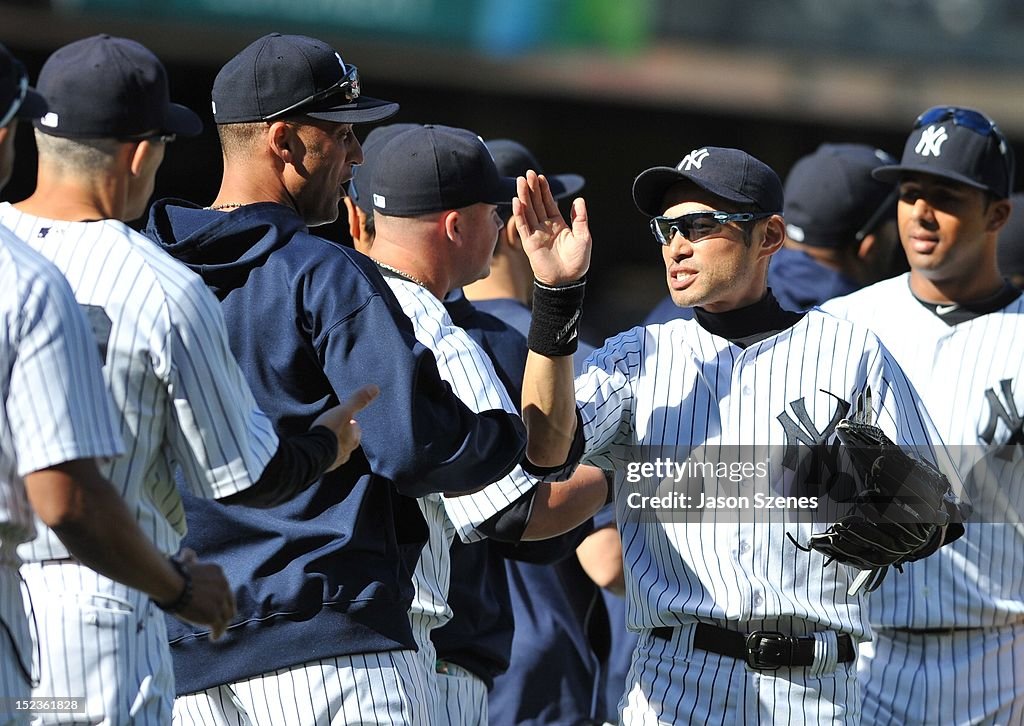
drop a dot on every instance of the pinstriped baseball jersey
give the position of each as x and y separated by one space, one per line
683 390
971 377
55 406
181 397
462 363
55 409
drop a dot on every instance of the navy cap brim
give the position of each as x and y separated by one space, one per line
182 121
34 106
363 110
562 186
650 186
893 175
502 193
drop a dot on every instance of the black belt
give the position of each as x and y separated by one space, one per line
763 650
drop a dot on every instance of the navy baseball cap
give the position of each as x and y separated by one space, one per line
831 198
359 184
959 144
280 75
730 174
513 159
435 168
17 98
108 87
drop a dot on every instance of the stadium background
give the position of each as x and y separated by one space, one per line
605 88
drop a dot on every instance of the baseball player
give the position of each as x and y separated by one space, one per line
737 624
563 631
178 390
473 645
840 229
949 632
435 192
56 418
323 582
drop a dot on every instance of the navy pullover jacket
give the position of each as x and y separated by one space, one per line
329 572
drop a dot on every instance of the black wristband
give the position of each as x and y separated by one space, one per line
183 600
554 327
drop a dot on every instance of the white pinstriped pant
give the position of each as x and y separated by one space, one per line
101 641
458 697
964 677
462 698
370 688
671 682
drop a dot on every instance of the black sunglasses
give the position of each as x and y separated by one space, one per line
698 225
347 86
976 121
19 97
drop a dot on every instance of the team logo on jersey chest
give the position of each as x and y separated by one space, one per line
816 462
1003 407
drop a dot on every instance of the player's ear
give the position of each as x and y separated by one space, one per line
452 223
998 214
356 225
137 155
774 235
866 247
511 235
283 141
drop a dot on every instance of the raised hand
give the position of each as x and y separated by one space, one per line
559 253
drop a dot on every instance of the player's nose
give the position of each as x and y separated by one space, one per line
355 155
922 210
679 247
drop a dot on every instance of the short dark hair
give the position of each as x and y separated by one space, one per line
236 139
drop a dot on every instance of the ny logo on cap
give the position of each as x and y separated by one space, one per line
694 159
931 141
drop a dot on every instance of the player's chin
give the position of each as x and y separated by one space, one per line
925 260
685 298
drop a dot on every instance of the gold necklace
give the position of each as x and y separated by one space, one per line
399 273
232 205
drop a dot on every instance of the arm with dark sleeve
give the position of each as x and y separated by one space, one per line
418 433
545 551
298 462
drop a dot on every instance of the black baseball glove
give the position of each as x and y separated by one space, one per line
900 513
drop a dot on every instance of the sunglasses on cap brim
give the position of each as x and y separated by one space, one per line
347 87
